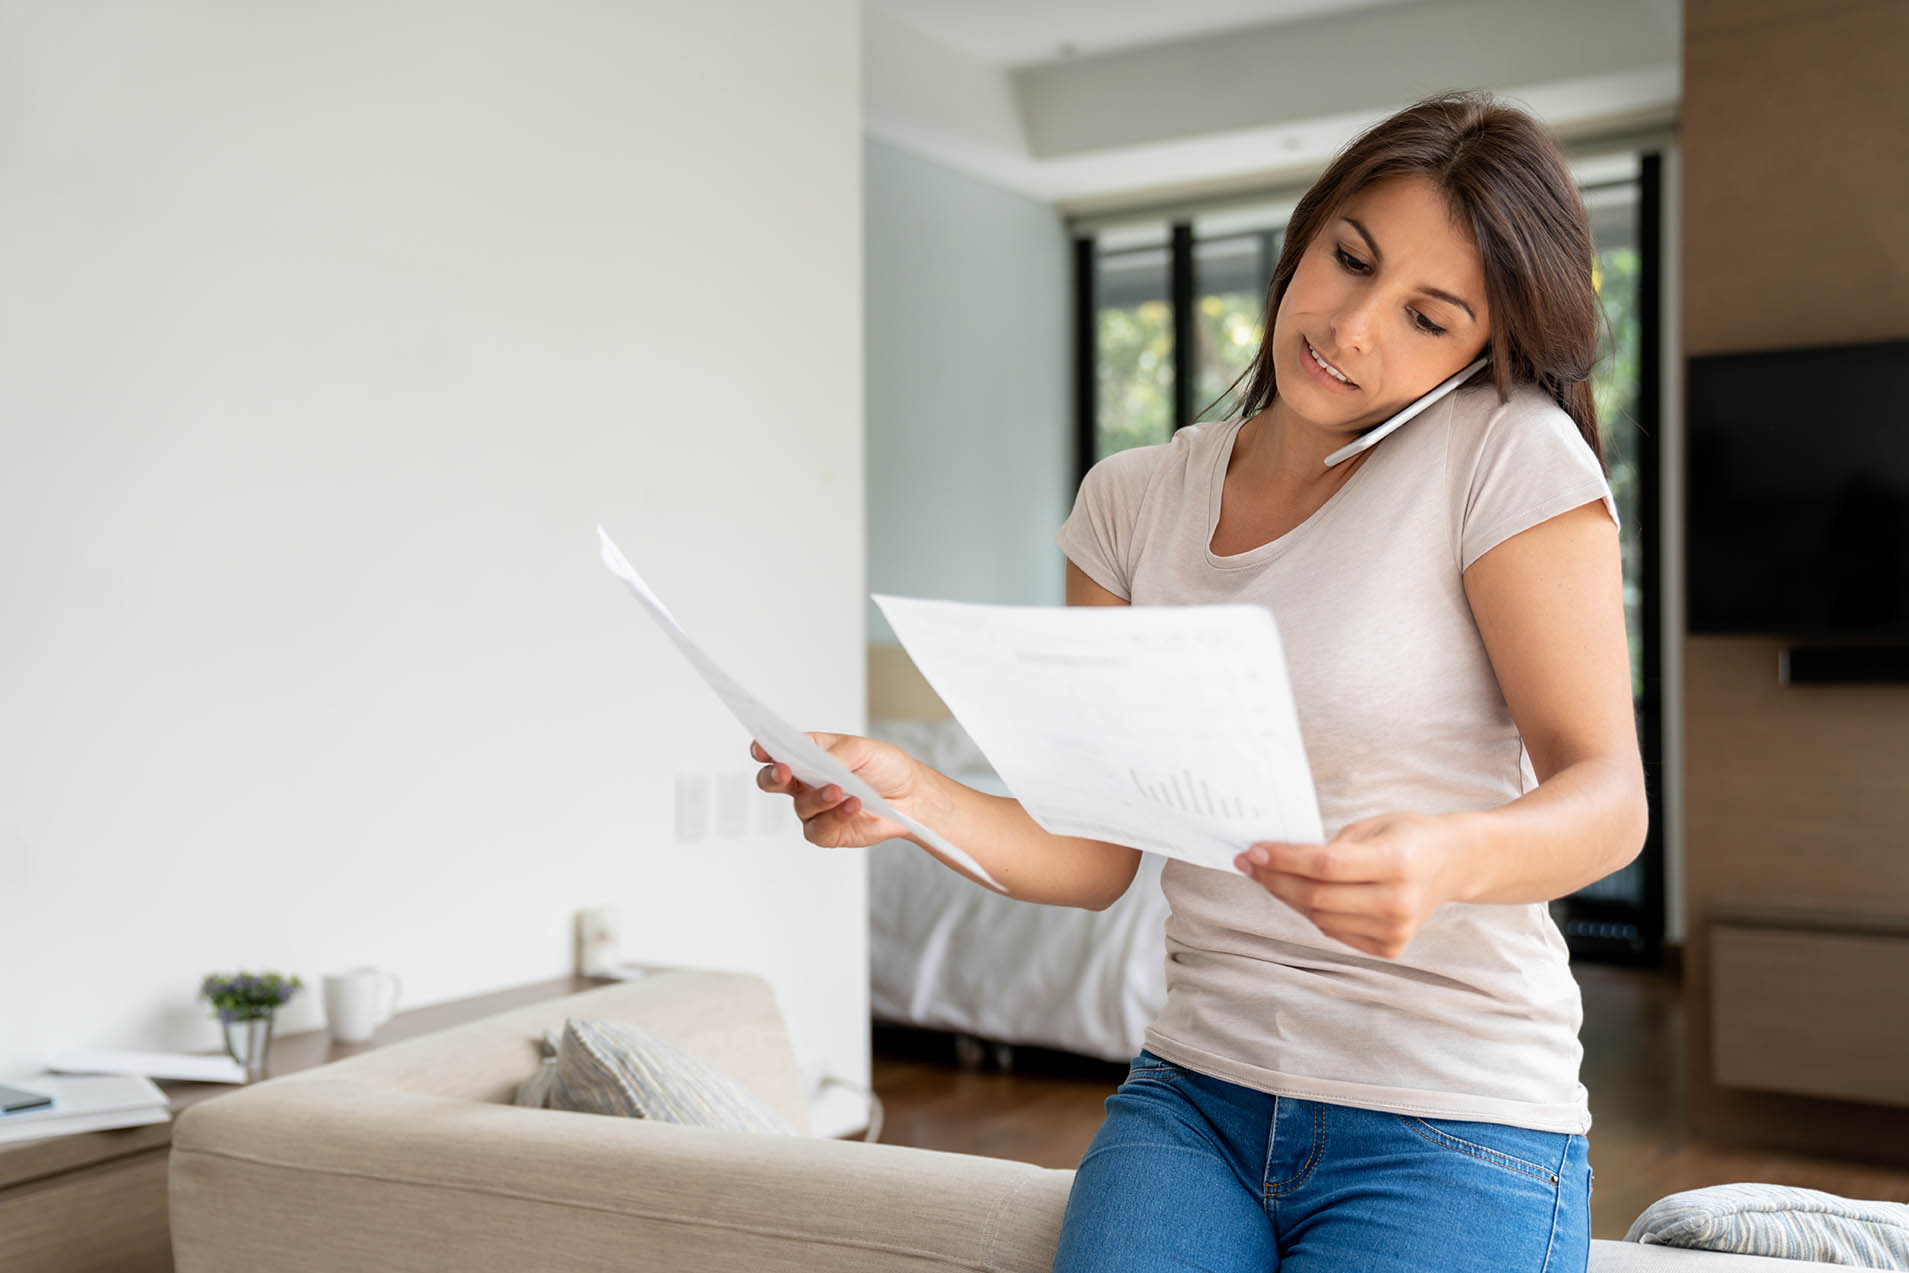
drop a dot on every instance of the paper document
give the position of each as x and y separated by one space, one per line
199 1067
808 761
1171 729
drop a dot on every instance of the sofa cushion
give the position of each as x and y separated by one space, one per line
1780 1220
616 1067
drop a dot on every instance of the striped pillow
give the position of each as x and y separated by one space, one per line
614 1067
535 1090
1783 1221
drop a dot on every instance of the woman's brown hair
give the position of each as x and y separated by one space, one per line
1502 176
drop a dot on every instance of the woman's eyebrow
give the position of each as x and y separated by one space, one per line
1378 258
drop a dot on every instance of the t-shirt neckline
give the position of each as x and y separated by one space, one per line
1216 487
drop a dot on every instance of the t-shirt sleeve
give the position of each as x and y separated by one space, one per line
1098 536
1525 463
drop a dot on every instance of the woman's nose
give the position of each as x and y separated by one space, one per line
1353 326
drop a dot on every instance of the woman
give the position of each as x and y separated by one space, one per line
1368 1057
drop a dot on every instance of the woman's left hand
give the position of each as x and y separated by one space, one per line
1372 886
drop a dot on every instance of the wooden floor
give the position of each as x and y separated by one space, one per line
1046 1106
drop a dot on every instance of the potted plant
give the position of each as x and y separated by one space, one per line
246 1005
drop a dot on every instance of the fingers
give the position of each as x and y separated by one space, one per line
815 802
777 776
1309 895
810 802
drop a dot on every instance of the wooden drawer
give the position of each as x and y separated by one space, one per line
1810 1012
108 1218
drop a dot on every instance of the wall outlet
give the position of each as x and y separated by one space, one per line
732 804
596 941
773 812
692 807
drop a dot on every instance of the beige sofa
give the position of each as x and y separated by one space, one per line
411 1157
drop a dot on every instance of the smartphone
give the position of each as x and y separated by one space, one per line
1372 436
14 1099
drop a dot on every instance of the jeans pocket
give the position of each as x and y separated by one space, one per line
1523 1150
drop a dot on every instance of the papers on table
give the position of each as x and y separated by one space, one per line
85 1102
1168 728
808 761
199 1067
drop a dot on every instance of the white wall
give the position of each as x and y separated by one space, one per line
970 402
330 334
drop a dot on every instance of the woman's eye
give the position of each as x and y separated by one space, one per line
1419 320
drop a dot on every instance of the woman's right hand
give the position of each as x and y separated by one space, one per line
832 819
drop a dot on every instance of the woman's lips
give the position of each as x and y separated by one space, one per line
1319 373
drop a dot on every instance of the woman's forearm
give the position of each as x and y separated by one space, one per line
1576 827
1032 864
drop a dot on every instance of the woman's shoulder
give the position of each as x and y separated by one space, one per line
1135 468
1481 421
1477 405
1512 451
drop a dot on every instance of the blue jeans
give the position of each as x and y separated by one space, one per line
1193 1172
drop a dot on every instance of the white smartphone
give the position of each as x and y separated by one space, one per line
1372 436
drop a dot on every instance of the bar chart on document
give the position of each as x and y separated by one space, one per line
1168 728
1190 793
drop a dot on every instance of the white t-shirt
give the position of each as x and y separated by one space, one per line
1399 710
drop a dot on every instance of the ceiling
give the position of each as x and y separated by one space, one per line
1018 33
1154 104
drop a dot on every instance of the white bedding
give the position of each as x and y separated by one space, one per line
948 954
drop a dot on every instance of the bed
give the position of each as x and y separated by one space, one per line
946 954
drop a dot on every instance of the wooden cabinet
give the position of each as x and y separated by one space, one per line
1811 1012
107 1216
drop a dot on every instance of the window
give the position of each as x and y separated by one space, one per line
1133 347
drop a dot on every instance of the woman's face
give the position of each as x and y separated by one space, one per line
1392 293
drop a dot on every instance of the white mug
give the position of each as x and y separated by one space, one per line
358 1001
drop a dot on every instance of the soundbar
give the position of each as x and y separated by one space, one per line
1843 665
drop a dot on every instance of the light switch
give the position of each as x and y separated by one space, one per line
692 806
732 804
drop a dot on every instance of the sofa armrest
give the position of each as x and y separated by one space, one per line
729 1019
330 1173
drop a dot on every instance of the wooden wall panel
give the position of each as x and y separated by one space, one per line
1798 792
1794 131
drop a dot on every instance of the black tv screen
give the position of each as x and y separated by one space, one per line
1798 492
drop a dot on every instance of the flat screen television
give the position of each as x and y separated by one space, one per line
1797 492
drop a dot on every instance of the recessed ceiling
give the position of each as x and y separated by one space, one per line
1028 32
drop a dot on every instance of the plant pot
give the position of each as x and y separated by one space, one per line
248 1041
